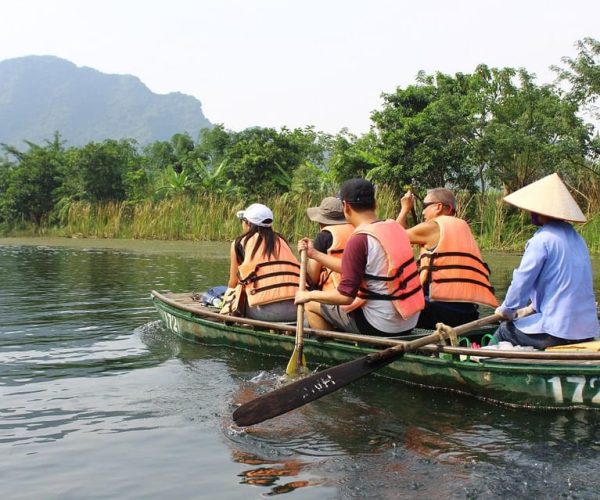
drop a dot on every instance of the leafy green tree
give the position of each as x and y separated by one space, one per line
262 160
533 132
6 167
137 184
29 186
583 73
158 156
179 153
212 145
309 178
173 183
495 125
426 133
214 180
353 156
184 149
103 168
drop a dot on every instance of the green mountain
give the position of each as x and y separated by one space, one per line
43 94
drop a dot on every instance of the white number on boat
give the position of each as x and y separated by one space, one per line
594 383
171 322
557 388
579 385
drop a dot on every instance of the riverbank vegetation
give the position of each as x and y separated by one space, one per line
482 134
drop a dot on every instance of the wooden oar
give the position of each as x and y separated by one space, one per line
297 363
303 391
409 187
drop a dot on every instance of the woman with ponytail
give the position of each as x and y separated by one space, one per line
263 267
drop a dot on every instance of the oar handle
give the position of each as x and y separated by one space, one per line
300 310
478 323
413 345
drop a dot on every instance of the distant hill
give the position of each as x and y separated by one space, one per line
42 94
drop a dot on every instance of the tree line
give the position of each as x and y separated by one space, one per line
492 129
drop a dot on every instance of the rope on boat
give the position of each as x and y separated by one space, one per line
446 332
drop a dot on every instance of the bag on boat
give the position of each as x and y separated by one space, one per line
234 301
214 296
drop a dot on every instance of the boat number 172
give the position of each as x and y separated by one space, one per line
579 382
171 322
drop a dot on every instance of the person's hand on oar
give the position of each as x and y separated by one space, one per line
319 384
407 206
297 364
408 203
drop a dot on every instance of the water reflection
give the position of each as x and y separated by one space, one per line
268 474
93 386
403 440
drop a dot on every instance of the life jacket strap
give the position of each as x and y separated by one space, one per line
465 280
253 276
453 254
363 293
277 263
432 268
398 272
323 278
253 291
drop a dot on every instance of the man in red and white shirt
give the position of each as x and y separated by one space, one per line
363 261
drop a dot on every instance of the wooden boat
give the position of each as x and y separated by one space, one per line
550 380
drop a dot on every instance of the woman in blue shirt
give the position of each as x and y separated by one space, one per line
551 298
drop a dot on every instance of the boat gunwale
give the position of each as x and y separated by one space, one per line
448 374
502 362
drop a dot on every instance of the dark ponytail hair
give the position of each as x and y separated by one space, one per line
266 234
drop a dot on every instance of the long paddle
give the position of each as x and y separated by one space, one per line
297 362
317 385
409 187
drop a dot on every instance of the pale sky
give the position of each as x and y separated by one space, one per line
275 63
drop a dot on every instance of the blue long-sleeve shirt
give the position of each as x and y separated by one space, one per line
555 273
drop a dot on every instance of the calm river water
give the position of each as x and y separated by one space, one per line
99 400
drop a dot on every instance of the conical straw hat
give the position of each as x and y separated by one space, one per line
548 196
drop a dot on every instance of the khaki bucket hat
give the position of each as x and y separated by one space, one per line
330 212
548 196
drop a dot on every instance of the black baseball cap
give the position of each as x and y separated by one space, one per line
359 192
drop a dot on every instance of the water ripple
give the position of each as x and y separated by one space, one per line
94 387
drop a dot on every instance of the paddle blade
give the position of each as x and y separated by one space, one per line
297 364
320 384
303 391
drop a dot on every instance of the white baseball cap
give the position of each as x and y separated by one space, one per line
257 214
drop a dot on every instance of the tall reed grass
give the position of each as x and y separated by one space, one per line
209 217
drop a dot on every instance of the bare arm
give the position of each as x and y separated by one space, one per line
328 261
425 234
233 267
325 260
324 297
313 271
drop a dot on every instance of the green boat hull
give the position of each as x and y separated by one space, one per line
548 384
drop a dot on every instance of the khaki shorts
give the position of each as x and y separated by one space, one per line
339 318
353 322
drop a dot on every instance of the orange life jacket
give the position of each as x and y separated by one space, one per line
341 233
402 278
268 279
455 270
